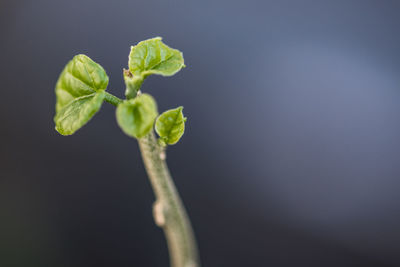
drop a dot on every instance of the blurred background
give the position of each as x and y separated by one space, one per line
291 155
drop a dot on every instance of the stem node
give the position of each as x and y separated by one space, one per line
158 213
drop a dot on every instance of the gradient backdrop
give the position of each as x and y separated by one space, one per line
291 155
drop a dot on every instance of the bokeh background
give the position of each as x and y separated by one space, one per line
291 155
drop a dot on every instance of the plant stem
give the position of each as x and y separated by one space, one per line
168 210
113 100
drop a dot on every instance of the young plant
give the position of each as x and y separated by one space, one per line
81 90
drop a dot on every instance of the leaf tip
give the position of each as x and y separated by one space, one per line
60 131
80 57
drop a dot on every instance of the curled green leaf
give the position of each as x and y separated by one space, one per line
136 116
152 56
80 93
132 83
170 125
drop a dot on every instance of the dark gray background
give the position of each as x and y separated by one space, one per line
291 155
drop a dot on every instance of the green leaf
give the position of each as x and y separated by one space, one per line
170 125
152 56
80 93
78 112
136 116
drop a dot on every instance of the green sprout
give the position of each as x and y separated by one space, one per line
81 90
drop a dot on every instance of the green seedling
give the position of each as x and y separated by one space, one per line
81 91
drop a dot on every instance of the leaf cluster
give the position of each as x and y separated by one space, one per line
81 91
